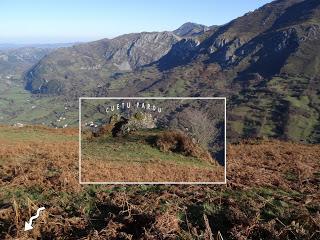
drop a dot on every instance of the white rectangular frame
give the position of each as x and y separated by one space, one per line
157 98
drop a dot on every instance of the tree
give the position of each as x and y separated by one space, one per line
199 125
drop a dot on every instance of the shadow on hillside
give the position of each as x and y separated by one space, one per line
219 156
180 54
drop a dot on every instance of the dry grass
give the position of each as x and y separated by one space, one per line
272 193
147 172
273 163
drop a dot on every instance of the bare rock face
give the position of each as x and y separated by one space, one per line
131 51
142 121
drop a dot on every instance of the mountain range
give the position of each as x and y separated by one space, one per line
266 63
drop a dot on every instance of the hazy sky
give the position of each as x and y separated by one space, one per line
49 21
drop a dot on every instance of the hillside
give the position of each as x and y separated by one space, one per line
272 193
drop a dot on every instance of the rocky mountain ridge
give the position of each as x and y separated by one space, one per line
266 63
96 61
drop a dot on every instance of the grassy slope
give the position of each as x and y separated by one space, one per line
133 159
272 193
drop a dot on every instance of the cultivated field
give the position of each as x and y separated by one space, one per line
272 193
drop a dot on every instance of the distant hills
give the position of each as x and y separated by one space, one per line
15 59
266 63
6 46
13 62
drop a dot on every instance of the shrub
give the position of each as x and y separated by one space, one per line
175 141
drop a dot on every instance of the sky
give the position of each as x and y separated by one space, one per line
61 21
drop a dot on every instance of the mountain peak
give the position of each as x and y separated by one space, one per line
190 29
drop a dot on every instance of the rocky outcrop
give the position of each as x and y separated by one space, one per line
131 51
120 129
124 126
